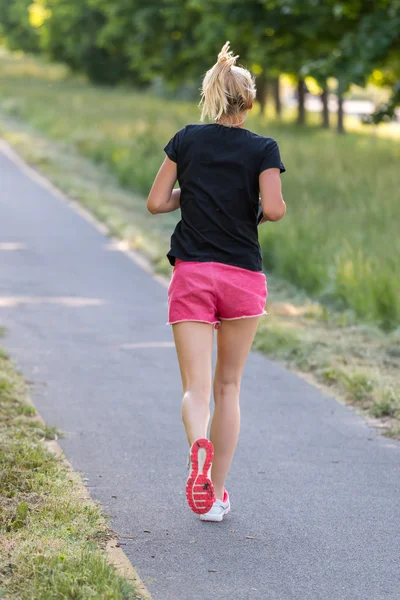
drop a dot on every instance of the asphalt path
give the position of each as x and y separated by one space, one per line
315 491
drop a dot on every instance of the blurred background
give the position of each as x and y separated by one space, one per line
112 81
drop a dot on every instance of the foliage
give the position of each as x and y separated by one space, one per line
70 35
177 40
15 26
372 43
385 112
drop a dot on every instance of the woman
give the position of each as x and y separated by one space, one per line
217 281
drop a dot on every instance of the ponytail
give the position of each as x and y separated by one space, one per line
227 89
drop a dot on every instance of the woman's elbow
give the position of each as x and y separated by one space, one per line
277 213
151 207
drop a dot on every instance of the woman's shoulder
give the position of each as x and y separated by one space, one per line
263 140
193 129
198 127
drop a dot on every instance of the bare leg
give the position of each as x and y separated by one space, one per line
234 343
193 343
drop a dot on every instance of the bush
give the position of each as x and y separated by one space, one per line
15 27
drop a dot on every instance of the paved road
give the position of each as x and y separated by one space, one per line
312 483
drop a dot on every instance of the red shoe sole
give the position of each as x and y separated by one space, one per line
199 488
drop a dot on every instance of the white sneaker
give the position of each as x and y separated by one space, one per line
219 509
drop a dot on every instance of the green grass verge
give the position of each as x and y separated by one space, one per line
339 240
52 542
359 364
332 348
94 187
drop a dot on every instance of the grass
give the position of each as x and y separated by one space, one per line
52 542
358 362
94 187
339 240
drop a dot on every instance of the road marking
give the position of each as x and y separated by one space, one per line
118 246
72 302
9 246
140 345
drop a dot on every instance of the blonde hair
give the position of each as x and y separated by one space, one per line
226 89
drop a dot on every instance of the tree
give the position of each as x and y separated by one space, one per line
277 96
71 34
15 26
340 111
325 107
385 112
135 41
364 36
301 93
375 44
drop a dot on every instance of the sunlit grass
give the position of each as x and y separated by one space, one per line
331 347
359 364
339 240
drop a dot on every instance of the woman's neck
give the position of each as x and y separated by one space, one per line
232 122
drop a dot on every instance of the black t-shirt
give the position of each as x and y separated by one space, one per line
218 173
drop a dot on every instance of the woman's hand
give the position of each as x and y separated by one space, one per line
163 198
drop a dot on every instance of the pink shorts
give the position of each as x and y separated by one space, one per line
210 292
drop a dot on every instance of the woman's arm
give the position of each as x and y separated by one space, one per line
163 198
273 205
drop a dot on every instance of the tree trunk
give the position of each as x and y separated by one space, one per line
301 93
325 108
277 97
340 114
262 92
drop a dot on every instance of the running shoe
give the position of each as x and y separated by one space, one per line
199 488
219 509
